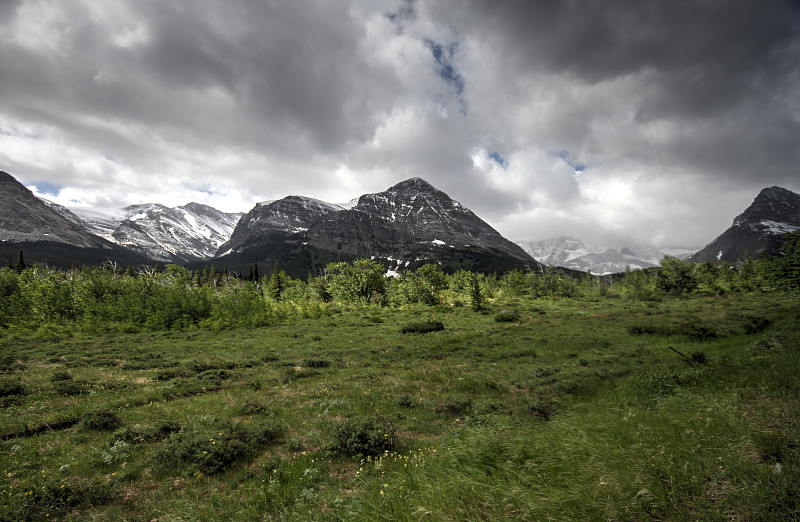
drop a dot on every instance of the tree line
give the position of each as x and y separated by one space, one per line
110 298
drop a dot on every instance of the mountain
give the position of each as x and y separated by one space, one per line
177 235
572 253
27 218
44 234
174 235
414 223
756 231
410 224
272 221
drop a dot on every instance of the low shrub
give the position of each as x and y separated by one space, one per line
10 363
422 327
363 437
61 375
507 316
102 420
186 453
316 363
10 387
68 387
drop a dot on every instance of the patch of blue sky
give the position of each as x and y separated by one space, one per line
497 158
45 187
443 56
577 166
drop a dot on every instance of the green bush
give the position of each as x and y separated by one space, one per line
185 453
316 363
507 316
61 375
10 363
422 327
11 387
68 388
363 437
102 420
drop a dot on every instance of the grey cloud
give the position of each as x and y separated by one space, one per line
286 97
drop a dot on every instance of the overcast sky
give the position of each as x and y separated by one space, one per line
618 122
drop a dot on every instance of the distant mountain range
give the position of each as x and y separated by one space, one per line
405 226
410 224
572 253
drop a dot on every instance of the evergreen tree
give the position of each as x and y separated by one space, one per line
20 263
475 294
275 284
255 273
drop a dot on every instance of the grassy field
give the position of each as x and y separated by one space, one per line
610 409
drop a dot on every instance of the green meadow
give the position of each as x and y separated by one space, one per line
572 410
598 402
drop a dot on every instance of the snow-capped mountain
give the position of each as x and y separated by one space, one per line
48 233
185 233
413 223
756 231
572 253
410 224
273 220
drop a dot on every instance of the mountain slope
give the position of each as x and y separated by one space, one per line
25 217
273 221
756 231
46 235
185 233
413 223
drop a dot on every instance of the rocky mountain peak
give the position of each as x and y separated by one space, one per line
773 204
270 219
410 222
758 230
5 177
25 217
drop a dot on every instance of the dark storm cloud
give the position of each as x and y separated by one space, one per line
707 60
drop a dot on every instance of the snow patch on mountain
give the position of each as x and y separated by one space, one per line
179 234
572 253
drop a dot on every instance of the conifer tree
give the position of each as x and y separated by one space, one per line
475 294
20 263
255 273
275 283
